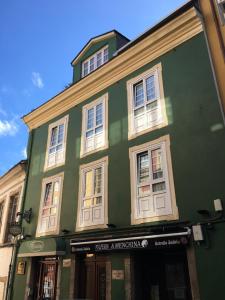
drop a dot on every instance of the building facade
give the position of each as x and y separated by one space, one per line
11 190
125 167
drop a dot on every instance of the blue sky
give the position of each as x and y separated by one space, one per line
39 39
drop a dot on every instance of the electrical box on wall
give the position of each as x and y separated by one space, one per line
197 233
218 205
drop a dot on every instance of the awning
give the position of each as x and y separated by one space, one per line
42 247
153 241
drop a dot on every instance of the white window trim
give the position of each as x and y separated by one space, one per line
105 162
5 197
132 154
3 221
45 181
131 131
104 100
95 61
64 121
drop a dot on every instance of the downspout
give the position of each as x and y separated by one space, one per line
12 267
197 7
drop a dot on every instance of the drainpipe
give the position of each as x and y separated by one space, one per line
12 266
197 7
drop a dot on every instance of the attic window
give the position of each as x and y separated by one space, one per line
95 61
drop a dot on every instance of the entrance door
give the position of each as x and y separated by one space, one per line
46 283
161 276
91 278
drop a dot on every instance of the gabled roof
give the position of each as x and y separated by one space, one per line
96 39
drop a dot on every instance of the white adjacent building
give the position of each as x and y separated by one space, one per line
11 191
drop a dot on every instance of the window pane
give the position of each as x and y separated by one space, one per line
99 114
45 212
138 94
87 203
99 129
52 150
53 211
92 65
85 66
90 118
152 105
89 133
98 180
139 111
13 208
88 184
55 199
143 166
53 136
1 213
97 200
150 87
60 133
48 194
144 190
157 163
157 187
99 59
106 55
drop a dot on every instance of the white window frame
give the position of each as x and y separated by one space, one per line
62 121
103 162
94 59
59 177
159 110
84 151
171 211
5 197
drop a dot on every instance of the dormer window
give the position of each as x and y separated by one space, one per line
95 61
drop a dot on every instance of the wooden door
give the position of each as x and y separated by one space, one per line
91 278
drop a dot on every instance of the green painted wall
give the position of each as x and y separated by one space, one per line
19 287
197 149
118 286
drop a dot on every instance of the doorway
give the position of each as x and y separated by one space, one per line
91 277
161 275
46 279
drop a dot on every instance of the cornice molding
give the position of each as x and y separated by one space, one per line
171 35
11 177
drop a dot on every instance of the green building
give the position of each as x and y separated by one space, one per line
125 173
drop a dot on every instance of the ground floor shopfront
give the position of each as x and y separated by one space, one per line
111 265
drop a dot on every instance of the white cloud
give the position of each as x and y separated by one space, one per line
24 152
8 128
37 80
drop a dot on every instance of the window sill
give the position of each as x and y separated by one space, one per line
83 228
84 154
171 217
133 135
46 169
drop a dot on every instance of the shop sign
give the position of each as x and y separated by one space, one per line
117 274
135 244
36 246
21 265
